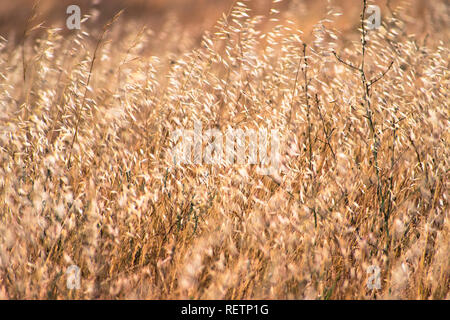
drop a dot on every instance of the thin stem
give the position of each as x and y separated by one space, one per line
308 115
80 107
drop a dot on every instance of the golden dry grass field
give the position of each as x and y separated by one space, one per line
360 197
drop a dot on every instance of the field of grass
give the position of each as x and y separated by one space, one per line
86 176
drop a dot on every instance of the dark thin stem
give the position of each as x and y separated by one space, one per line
344 62
294 87
373 81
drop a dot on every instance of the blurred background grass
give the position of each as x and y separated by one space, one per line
195 16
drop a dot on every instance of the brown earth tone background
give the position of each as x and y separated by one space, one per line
196 16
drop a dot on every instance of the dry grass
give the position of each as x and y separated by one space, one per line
85 178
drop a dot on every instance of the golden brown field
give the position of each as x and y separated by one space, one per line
86 177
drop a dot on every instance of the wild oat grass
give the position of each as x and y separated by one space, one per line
86 179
